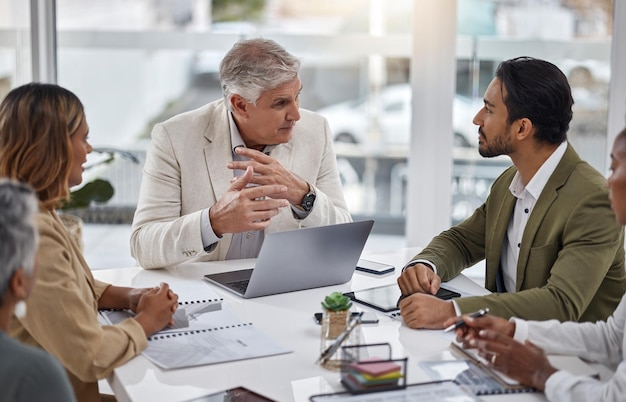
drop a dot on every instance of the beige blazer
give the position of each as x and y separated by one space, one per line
62 314
185 173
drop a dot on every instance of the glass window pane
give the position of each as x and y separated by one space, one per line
15 57
138 62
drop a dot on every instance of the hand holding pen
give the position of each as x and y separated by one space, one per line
468 326
461 322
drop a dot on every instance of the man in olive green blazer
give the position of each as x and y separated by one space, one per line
552 247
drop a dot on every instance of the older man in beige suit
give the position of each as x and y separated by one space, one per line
217 178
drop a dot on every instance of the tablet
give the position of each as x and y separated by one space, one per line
385 298
233 394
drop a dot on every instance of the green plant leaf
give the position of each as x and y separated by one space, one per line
97 190
336 301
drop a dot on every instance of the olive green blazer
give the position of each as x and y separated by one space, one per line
571 260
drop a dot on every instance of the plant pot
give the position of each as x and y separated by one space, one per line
334 323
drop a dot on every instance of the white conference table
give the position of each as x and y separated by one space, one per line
288 319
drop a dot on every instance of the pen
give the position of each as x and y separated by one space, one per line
342 337
460 323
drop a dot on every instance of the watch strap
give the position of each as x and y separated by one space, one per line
309 199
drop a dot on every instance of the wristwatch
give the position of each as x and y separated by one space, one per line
308 200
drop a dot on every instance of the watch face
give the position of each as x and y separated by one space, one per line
307 202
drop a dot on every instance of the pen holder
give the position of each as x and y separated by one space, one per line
370 368
333 325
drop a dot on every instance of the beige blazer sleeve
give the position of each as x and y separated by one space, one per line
185 174
62 313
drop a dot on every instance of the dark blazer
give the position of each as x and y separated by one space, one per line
571 260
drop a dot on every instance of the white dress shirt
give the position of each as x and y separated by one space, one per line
526 199
245 244
601 342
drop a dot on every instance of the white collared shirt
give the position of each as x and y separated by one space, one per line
527 197
245 244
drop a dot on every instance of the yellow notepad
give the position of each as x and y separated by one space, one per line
388 376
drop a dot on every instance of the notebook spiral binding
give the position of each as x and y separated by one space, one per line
195 331
180 303
185 303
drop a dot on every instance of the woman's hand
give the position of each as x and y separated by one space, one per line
134 295
525 362
155 308
473 326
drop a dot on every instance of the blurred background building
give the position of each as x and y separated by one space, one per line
137 62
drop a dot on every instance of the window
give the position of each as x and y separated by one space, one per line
136 62
15 65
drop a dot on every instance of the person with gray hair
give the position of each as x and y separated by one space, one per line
26 373
217 178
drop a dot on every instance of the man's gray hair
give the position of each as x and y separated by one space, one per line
254 66
18 232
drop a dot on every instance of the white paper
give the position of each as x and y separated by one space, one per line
217 336
205 332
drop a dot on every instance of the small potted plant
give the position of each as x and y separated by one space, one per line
336 314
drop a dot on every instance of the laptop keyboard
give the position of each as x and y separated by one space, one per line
239 286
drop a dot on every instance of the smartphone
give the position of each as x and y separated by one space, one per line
367 318
447 294
372 267
442 293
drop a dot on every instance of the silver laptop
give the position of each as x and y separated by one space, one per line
300 259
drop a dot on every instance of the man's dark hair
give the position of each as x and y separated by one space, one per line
539 91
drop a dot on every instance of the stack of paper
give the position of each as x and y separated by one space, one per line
372 374
205 332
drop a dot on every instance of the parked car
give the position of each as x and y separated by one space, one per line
350 120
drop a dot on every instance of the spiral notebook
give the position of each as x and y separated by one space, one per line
188 316
205 332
